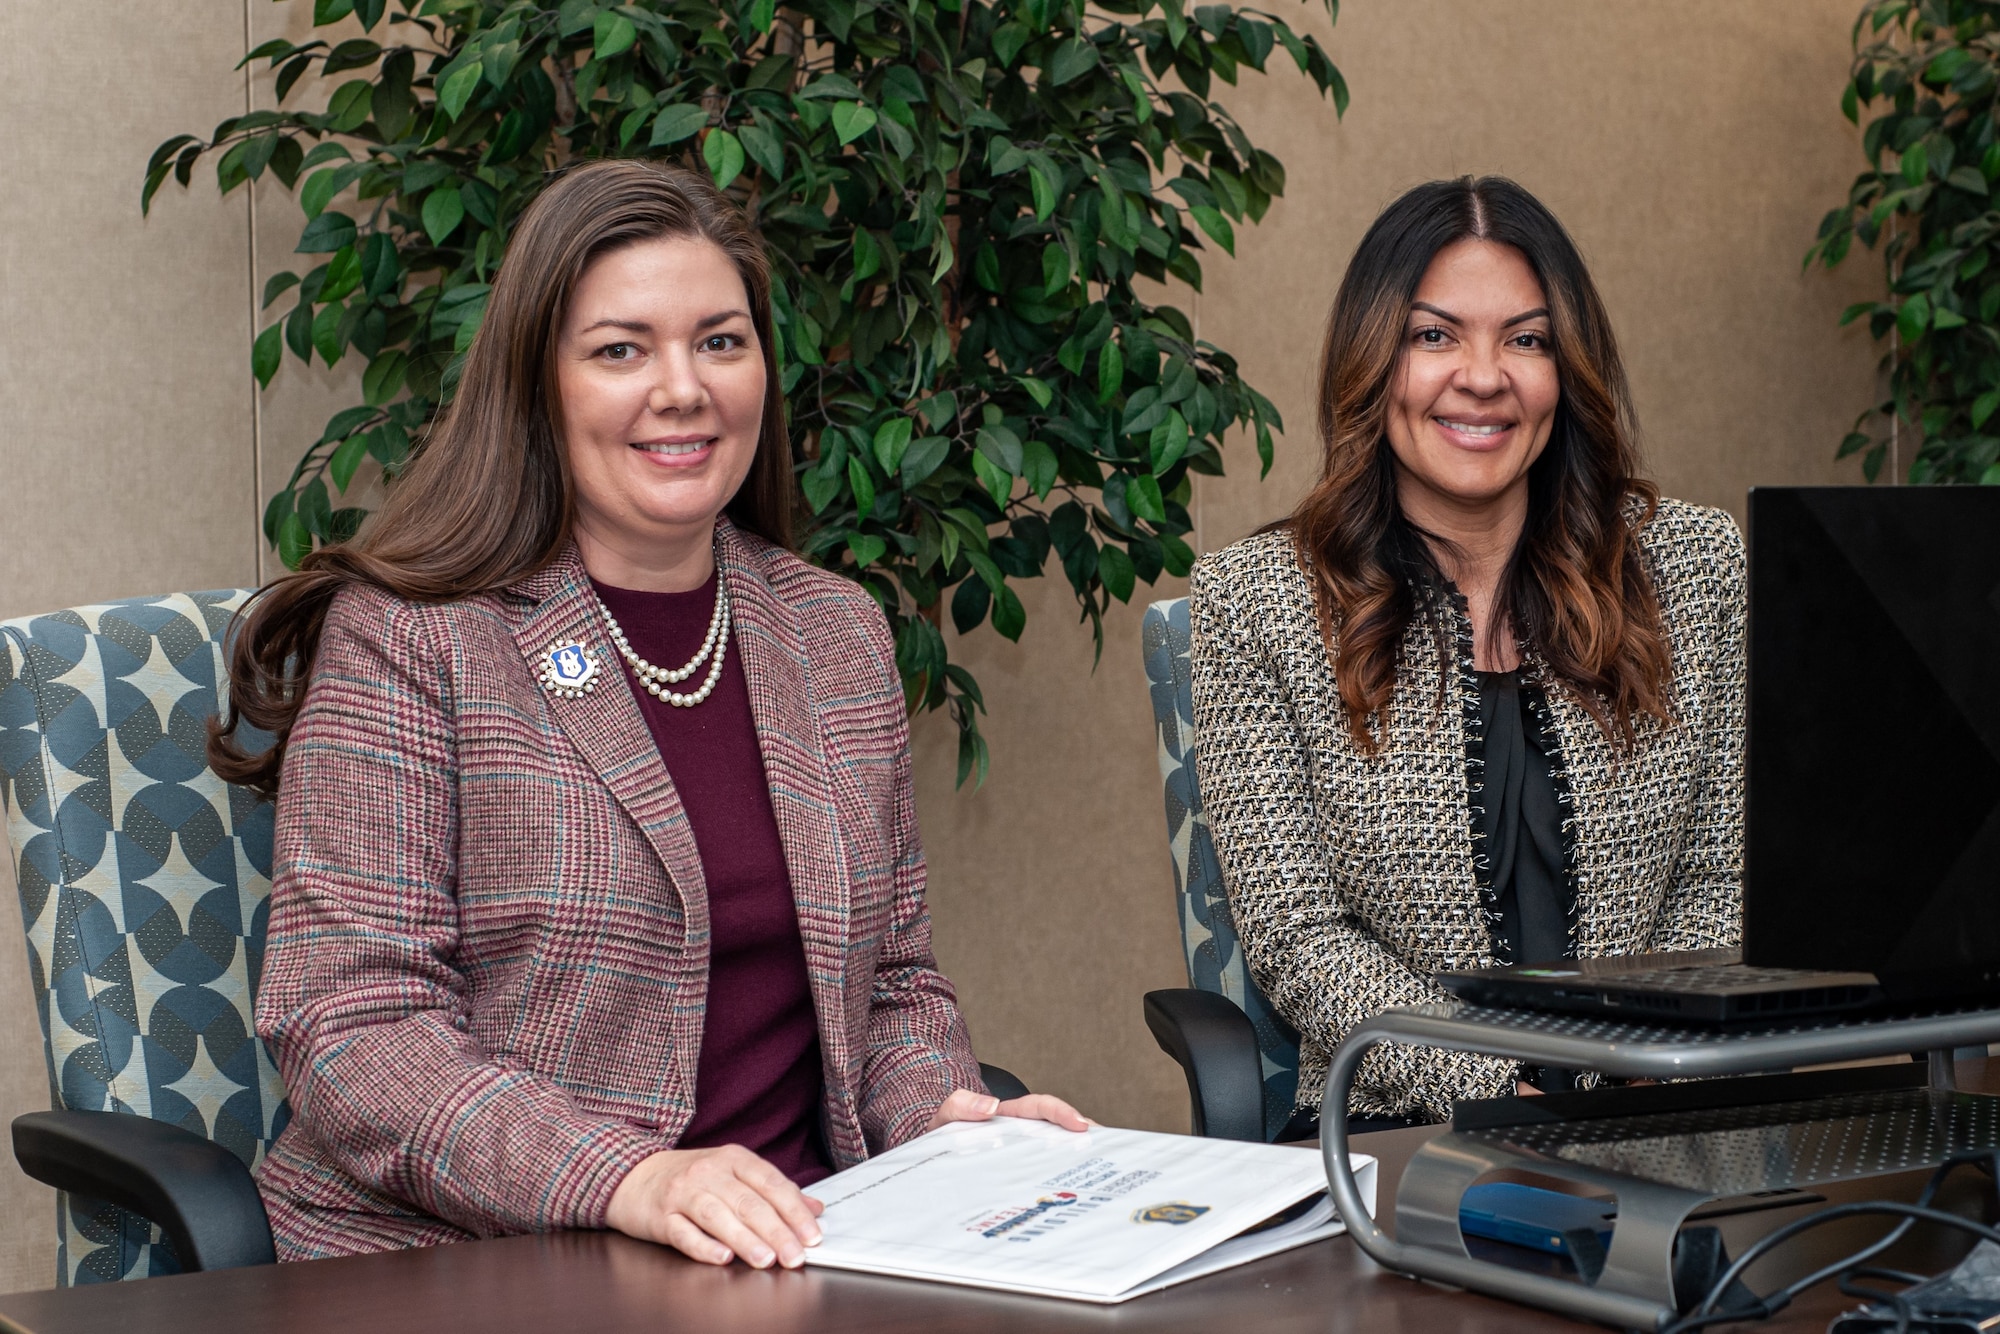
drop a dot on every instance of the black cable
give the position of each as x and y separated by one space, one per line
1764 1307
1703 1316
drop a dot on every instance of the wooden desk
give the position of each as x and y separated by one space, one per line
610 1284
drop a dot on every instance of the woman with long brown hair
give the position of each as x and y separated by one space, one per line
1480 698
598 897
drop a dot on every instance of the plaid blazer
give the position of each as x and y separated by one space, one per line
488 950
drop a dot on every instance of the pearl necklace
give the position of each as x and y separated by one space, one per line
651 677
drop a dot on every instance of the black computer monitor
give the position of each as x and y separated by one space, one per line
1872 802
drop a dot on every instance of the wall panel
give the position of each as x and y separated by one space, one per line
1691 148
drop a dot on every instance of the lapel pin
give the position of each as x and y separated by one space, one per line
569 671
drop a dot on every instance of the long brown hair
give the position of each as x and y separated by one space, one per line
1576 589
488 499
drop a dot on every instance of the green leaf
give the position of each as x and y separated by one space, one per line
1110 372
861 484
923 458
1217 226
676 123
1046 179
322 186
329 232
1982 408
1072 59
346 459
866 548
764 149
892 442
331 11
326 338
277 286
458 88
723 152
612 34
851 120
383 379
1142 494
443 211
266 353
295 542
1037 390
1144 411
1002 446
1039 468
969 604
999 483
1009 616
1114 567
348 108
343 275
1914 317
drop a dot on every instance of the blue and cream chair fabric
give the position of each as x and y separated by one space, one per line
1208 933
143 879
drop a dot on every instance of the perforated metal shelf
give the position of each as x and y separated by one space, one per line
1663 1164
1741 1150
1648 1049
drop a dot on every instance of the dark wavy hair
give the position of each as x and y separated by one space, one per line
488 499
1576 589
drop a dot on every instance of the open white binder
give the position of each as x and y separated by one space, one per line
1099 1216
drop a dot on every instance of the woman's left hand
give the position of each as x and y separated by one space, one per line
966 1105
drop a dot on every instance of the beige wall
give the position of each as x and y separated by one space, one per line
1691 147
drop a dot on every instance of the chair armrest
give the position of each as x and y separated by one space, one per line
198 1192
1217 1048
1001 1083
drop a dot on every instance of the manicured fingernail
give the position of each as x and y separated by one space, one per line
990 1105
813 1236
792 1260
763 1257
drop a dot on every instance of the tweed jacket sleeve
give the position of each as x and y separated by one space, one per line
918 1049
1703 907
1321 967
361 1006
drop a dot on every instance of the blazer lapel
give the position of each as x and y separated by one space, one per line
770 638
608 730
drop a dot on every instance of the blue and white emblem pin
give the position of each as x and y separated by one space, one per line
569 670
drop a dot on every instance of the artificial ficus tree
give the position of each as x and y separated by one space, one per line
958 198
1928 201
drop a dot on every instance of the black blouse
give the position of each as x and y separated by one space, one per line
1523 825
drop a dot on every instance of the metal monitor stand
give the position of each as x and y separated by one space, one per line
1697 1144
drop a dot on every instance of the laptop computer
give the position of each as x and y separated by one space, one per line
1872 784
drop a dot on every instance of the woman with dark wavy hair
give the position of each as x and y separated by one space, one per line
598 897
1480 698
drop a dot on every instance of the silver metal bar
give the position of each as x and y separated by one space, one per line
1435 1249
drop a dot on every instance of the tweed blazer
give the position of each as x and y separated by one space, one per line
488 951
1353 878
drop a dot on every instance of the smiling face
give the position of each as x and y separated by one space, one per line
661 379
1474 398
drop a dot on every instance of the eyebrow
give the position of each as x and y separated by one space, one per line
640 326
1538 313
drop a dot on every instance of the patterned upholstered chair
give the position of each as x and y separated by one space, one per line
1241 1059
143 880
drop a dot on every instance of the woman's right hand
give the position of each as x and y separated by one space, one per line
715 1205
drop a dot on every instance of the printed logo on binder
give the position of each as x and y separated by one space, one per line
1173 1211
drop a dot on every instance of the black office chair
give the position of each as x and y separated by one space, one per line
143 881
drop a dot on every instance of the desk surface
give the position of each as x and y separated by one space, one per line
609 1284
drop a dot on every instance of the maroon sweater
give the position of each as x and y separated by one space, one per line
758 1082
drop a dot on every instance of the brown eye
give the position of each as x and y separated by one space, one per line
620 351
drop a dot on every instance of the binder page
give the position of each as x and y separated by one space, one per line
1025 1206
